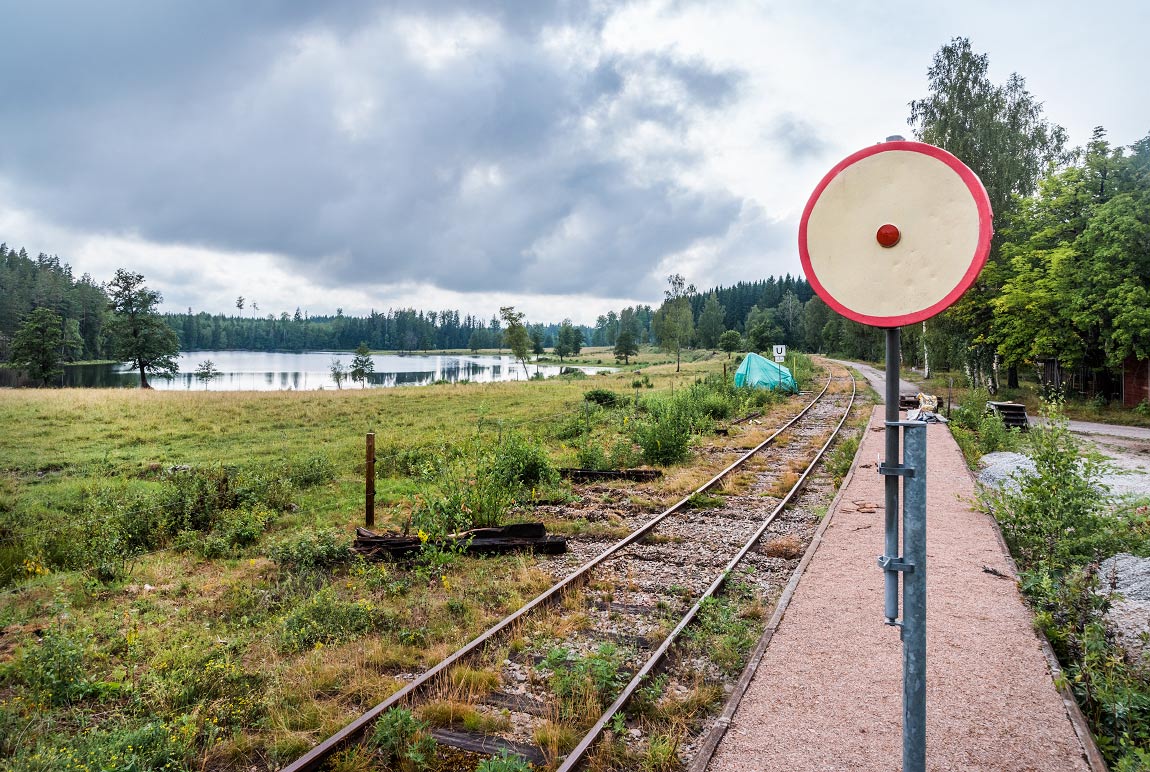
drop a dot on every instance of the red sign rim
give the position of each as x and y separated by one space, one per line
981 252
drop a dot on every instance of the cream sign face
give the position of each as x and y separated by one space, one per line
895 233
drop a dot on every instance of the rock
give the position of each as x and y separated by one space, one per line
1129 616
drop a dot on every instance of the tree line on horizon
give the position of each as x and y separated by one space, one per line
84 307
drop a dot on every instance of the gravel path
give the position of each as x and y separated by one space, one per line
877 379
828 693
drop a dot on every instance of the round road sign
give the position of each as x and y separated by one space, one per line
895 233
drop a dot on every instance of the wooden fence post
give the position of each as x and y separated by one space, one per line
370 475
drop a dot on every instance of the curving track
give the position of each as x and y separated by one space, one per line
635 599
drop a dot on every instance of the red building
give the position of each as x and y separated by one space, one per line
1135 382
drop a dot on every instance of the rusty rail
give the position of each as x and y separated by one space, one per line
313 759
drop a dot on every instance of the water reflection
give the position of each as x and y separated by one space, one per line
271 371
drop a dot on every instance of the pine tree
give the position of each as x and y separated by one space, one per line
138 334
362 365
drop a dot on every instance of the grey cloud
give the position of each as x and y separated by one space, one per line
798 137
216 125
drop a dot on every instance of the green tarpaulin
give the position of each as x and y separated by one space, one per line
760 373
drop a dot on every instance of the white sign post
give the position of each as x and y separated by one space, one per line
891 236
780 354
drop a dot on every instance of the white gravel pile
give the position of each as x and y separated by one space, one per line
998 469
1129 616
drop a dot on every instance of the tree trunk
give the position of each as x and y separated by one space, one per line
925 355
678 351
143 376
1012 377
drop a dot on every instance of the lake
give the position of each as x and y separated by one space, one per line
272 371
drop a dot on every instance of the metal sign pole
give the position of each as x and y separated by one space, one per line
913 631
912 561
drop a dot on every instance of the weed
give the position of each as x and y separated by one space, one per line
706 501
54 668
787 547
474 682
647 697
555 739
662 754
156 746
722 633
401 738
584 685
841 457
504 762
783 484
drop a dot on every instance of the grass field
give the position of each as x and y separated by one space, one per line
177 592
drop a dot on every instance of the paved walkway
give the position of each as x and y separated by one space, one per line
828 693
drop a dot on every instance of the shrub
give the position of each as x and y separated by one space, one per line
624 455
322 550
107 550
478 489
519 462
665 436
604 397
325 619
194 498
243 527
591 456
421 461
1056 515
310 471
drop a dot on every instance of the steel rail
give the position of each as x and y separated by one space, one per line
312 760
575 757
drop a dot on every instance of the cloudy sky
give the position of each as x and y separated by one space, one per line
563 157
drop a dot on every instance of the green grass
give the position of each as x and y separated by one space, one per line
209 617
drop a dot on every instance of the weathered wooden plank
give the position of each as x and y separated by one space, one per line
516 537
519 703
488 744
634 475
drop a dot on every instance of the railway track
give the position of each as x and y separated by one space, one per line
636 637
